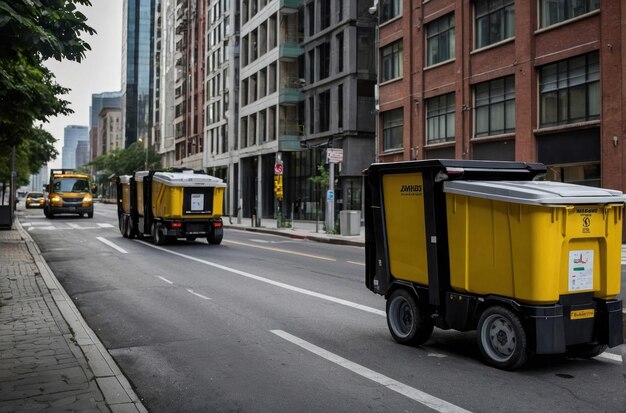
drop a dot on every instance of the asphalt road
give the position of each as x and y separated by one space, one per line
264 323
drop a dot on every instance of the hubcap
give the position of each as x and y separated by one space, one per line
400 316
498 337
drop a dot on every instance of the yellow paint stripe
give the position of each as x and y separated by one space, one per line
280 250
356 263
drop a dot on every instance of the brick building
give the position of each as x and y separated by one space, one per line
538 80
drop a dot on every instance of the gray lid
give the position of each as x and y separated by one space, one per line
187 179
534 192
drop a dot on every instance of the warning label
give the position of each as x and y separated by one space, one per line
580 270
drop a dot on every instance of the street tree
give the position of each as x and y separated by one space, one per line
33 31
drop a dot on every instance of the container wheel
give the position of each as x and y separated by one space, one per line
159 237
407 322
586 351
123 226
215 236
502 338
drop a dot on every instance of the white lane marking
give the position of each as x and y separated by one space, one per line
105 225
26 224
356 263
274 283
437 355
165 279
405 390
281 250
611 356
112 245
198 295
74 226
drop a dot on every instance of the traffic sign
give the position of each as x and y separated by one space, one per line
330 195
278 168
334 155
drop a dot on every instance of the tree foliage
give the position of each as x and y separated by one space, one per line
33 31
125 162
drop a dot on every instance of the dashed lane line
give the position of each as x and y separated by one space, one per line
198 295
356 263
401 388
272 282
165 279
319 257
112 245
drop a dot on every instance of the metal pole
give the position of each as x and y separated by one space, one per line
13 181
330 199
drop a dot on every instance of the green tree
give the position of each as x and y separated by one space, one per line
33 31
124 162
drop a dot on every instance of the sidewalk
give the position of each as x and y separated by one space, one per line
301 230
49 358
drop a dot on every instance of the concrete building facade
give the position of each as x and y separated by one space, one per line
541 80
110 130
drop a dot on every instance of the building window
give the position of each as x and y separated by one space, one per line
324 111
340 106
495 21
440 40
324 62
440 119
324 14
495 106
340 52
555 11
393 121
391 61
570 90
390 9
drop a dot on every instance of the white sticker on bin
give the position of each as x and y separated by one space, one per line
580 270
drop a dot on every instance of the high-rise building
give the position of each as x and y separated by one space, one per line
536 80
221 106
82 153
72 134
100 101
137 70
338 84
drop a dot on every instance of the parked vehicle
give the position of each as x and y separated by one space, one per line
533 266
168 205
35 200
68 192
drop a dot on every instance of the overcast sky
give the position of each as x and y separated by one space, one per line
99 72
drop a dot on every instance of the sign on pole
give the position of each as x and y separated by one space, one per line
334 155
278 168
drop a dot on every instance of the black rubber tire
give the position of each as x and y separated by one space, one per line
408 323
123 226
502 339
158 237
90 214
191 238
132 231
586 351
215 236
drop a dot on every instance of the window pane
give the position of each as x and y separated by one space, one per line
594 99
577 97
450 125
482 121
509 121
496 121
548 108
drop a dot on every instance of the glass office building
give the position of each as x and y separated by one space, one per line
137 61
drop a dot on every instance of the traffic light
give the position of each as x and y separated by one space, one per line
278 186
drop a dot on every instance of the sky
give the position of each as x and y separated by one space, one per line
100 71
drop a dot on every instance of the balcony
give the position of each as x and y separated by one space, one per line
290 6
290 50
289 135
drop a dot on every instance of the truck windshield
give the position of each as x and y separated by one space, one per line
70 185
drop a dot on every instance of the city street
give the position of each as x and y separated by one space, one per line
267 323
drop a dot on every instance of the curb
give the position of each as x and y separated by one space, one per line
116 390
316 238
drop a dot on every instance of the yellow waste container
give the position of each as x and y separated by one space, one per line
534 241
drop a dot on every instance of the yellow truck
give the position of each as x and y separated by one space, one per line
167 205
533 266
68 192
